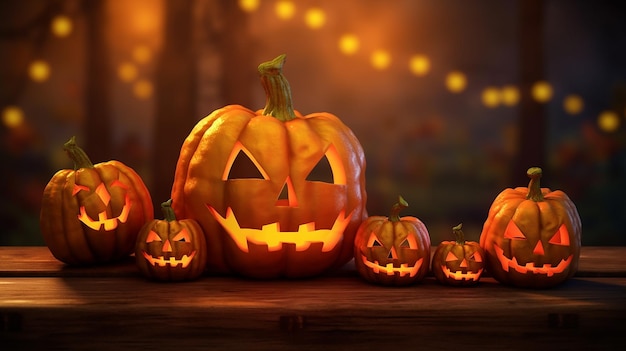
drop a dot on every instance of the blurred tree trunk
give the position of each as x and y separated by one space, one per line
97 127
532 119
175 95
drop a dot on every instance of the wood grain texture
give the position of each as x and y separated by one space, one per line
112 307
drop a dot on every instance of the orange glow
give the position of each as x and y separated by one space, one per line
419 65
172 261
561 237
61 26
285 9
349 44
524 268
127 72
389 269
108 223
233 155
380 59
249 5
39 71
142 54
509 95
315 18
491 97
573 104
273 237
608 121
542 91
456 81
12 116
143 89
459 275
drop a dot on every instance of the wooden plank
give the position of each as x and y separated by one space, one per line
37 261
329 312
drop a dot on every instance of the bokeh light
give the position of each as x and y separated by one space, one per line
285 9
419 65
541 91
315 18
491 97
127 72
456 81
509 95
349 44
12 116
143 89
573 104
380 59
61 26
249 5
608 121
39 71
142 54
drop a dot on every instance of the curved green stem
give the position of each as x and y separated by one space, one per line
396 208
534 187
277 91
168 211
458 234
78 155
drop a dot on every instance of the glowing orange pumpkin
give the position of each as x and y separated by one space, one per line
392 250
92 214
458 262
171 249
278 194
531 236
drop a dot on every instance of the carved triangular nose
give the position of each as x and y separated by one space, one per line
538 249
287 196
392 253
167 247
463 263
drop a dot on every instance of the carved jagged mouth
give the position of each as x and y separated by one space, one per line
459 275
109 223
274 238
389 269
546 269
172 261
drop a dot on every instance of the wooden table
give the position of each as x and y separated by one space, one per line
45 305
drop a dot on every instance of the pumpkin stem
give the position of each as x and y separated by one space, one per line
534 187
277 91
168 211
458 234
78 155
396 208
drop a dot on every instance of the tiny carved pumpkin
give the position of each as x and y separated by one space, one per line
92 214
278 194
532 236
171 249
458 262
392 250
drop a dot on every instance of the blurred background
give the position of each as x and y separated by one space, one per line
452 100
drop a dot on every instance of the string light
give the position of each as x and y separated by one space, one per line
249 5
61 26
142 54
143 89
491 97
456 81
315 18
39 71
608 121
573 104
541 91
419 65
285 9
12 116
127 72
349 44
380 59
509 95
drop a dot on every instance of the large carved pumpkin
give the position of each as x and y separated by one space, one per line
532 236
392 250
278 194
93 213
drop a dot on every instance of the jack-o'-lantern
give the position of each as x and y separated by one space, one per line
532 236
278 194
171 249
458 262
91 214
392 250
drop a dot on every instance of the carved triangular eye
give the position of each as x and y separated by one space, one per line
405 243
476 257
322 172
373 241
244 168
561 237
451 257
152 236
182 236
513 232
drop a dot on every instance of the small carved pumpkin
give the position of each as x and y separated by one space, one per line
92 214
277 193
392 250
171 249
458 262
532 236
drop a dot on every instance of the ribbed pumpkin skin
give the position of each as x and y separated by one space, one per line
538 221
465 251
193 245
287 149
391 235
70 240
